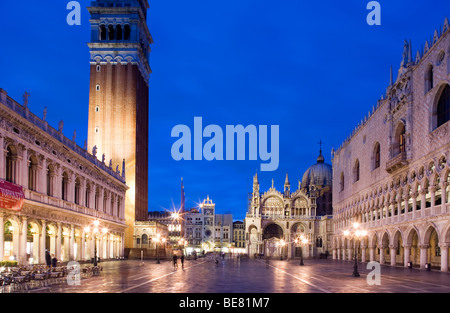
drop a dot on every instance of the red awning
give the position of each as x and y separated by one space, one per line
12 196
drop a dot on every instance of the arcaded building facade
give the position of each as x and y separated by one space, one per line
63 190
392 174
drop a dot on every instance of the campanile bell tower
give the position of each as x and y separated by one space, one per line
118 97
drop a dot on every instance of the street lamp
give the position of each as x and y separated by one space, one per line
281 244
181 243
356 234
157 240
95 231
302 241
177 225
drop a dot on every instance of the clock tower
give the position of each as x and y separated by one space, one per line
119 96
208 210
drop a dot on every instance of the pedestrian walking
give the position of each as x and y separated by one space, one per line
182 260
175 261
54 261
48 258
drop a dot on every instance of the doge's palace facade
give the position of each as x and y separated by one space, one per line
392 174
65 190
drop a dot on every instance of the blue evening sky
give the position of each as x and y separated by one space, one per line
314 68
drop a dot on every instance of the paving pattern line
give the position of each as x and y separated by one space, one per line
397 279
154 279
300 279
332 279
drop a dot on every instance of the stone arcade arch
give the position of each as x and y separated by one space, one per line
298 229
50 240
272 235
397 250
412 250
34 243
384 248
445 249
11 231
430 249
253 240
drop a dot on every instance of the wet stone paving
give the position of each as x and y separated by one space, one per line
253 276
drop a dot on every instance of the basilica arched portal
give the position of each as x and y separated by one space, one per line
272 236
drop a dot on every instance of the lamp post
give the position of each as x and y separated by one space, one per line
355 234
95 232
302 241
157 240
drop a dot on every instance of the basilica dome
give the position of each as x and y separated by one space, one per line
319 174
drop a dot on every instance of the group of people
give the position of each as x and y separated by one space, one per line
175 260
50 260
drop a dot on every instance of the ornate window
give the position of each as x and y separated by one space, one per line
105 201
32 173
10 173
144 239
127 32
273 206
342 182
119 32
110 32
87 195
377 156
356 171
443 108
77 191
102 32
64 186
300 207
399 140
97 199
50 175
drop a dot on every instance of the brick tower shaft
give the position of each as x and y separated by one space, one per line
118 98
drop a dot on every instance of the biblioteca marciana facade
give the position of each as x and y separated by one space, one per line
53 193
392 174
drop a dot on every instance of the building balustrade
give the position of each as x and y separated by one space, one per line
406 216
396 162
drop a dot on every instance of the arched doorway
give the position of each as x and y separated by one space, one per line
399 249
10 240
50 239
252 240
298 230
272 236
273 230
33 244
412 243
65 244
431 241
445 251
399 139
385 252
